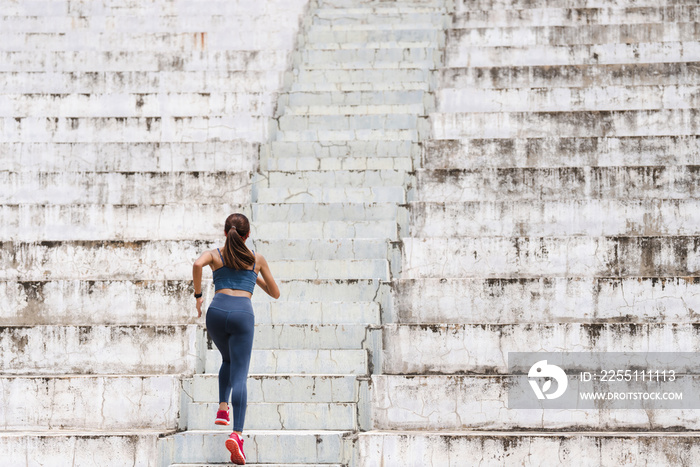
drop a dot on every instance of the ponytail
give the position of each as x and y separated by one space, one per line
236 254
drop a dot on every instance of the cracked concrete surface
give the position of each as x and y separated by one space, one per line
537 129
552 212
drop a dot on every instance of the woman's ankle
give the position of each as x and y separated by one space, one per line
223 406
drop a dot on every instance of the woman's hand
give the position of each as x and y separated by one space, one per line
200 300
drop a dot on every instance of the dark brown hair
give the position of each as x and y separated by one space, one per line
236 254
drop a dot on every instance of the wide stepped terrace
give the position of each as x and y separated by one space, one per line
554 212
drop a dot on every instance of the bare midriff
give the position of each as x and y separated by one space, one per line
235 292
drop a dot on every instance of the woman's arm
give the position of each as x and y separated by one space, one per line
202 261
267 282
261 283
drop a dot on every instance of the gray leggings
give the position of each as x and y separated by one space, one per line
231 325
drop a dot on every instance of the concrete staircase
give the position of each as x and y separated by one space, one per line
554 211
537 193
329 206
128 131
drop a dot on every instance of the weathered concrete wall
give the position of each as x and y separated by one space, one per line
449 348
480 403
504 448
547 300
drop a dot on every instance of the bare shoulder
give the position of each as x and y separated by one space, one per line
259 256
260 259
205 258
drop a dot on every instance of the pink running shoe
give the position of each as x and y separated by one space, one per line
222 417
234 443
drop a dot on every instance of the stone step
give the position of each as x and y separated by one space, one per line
318 38
276 16
320 86
345 178
340 252
569 99
641 52
327 193
380 194
329 39
349 162
536 218
283 416
348 98
84 303
276 37
469 5
299 361
228 156
663 122
317 312
103 61
570 35
380 24
607 151
378 148
46 403
173 81
331 269
417 349
551 256
261 446
477 402
91 302
563 76
550 300
137 105
327 229
374 3
414 57
89 222
400 121
272 388
329 212
59 448
310 336
387 44
353 112
394 9
135 188
143 260
355 76
136 349
328 137
557 183
124 7
330 292
545 16
253 128
496 448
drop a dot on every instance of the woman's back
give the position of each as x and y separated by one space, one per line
234 279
